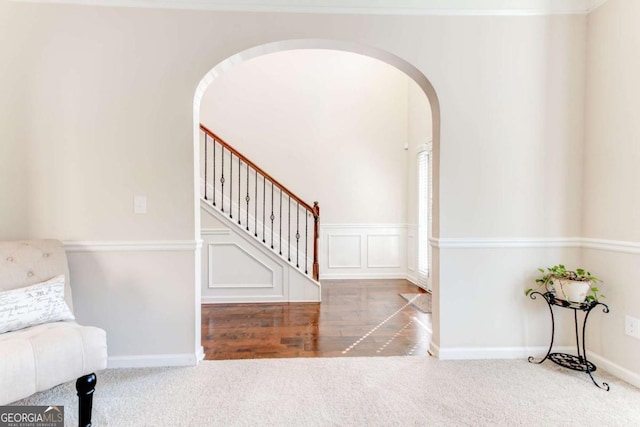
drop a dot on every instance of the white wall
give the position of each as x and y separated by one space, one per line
329 125
611 195
107 97
13 171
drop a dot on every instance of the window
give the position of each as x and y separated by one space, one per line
424 215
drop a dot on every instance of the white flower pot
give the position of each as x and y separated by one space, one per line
571 290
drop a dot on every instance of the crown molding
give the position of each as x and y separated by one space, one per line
594 4
360 7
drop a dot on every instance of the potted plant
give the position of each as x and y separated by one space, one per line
574 286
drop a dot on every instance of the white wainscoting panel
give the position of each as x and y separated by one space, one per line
345 251
384 251
363 251
237 271
237 268
224 259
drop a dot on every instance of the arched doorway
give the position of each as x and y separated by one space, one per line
390 59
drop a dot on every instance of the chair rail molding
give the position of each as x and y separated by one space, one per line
543 242
611 245
132 246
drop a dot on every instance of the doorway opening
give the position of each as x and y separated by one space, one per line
379 249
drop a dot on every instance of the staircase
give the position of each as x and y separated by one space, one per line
265 244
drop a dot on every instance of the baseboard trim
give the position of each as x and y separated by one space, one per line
369 276
412 279
478 353
614 369
361 276
250 300
434 350
154 360
365 226
242 299
200 354
469 353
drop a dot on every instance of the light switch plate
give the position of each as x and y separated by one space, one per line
140 204
631 325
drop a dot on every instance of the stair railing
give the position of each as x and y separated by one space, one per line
264 201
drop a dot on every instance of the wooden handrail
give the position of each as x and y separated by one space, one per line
314 210
256 167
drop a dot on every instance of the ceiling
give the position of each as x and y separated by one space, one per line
378 7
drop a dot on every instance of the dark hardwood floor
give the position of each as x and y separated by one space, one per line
355 318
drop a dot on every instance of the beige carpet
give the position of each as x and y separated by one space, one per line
420 301
376 391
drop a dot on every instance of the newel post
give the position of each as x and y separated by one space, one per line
316 234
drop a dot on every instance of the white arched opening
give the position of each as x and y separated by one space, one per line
412 72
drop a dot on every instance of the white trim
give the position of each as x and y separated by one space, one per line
413 279
365 276
329 239
462 353
579 7
224 218
428 147
212 285
434 350
614 369
594 4
363 257
153 360
234 299
611 245
200 354
249 237
292 289
442 243
368 237
132 246
215 232
482 243
359 226
361 276
549 242
476 353
250 299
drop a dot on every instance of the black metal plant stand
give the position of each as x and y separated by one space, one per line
579 362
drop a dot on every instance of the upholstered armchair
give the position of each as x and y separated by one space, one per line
43 346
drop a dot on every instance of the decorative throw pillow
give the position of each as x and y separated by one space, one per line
40 303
